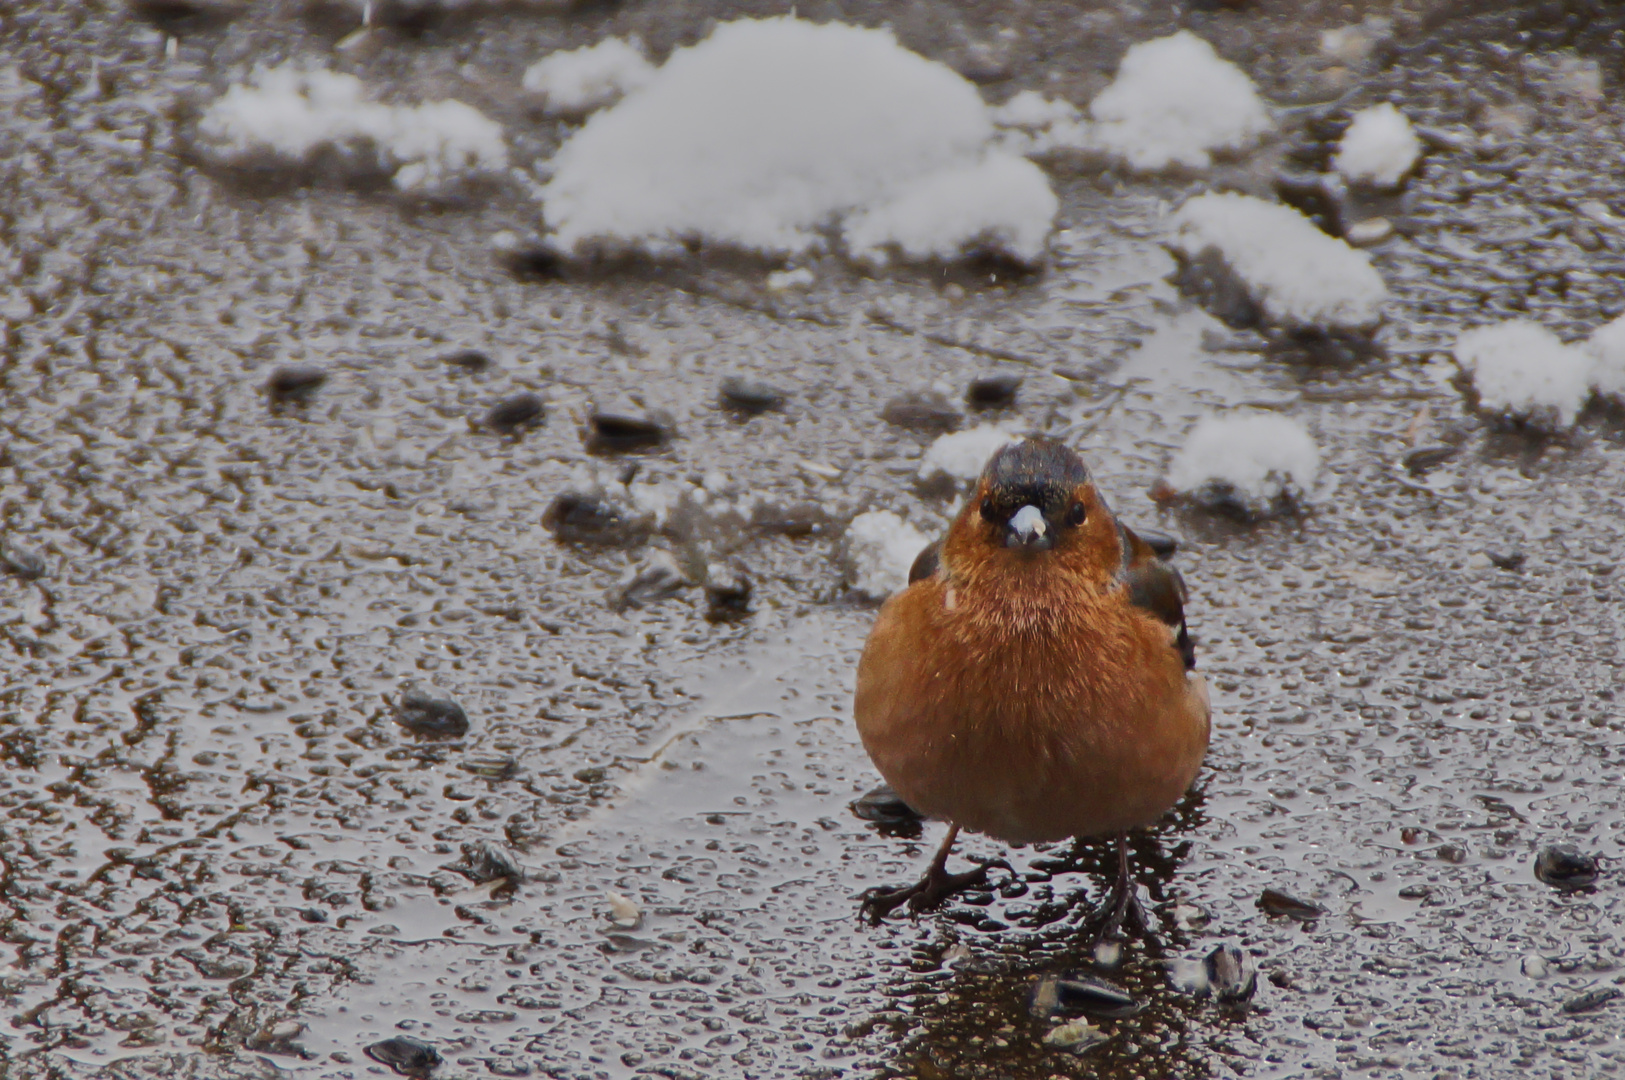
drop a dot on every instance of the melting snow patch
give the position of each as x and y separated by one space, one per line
1297 274
963 454
1378 148
1174 102
1607 349
578 81
772 130
285 114
1524 371
1256 462
880 548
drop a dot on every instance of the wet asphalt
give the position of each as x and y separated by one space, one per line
223 855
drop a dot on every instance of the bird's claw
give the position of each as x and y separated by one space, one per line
1122 906
934 887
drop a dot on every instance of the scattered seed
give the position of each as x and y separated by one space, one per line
423 714
1231 976
618 433
408 1057
921 412
1095 998
750 397
492 766
574 518
1564 866
1276 902
487 860
658 578
727 591
470 360
515 413
28 565
992 391
1077 1036
1425 458
1595 998
624 912
294 384
1507 560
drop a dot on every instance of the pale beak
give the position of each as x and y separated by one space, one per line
1028 529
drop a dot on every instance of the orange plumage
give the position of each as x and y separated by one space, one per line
1034 684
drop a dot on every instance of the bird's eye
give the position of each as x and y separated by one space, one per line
1076 514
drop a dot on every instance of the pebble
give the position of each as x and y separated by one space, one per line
658 578
295 383
624 912
1564 866
1592 999
515 413
424 714
622 433
1426 458
1231 976
487 860
750 397
574 518
727 591
928 411
1276 902
408 1057
992 391
28 565
470 360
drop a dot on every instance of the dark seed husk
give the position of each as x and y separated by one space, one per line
618 433
750 397
425 715
1231 976
727 591
1276 902
574 518
470 360
487 860
992 391
883 806
1564 866
1425 458
1595 998
511 414
492 766
1160 542
296 382
1093 997
796 520
921 412
408 1057
1508 560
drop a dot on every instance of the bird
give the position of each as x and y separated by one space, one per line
1035 680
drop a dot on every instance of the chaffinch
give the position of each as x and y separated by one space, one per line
1035 680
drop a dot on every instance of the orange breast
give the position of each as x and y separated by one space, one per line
1086 726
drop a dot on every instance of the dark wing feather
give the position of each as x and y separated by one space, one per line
1156 587
926 562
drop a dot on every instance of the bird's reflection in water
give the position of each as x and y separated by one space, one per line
970 996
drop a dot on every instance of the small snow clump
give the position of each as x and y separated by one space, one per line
963 454
577 81
880 548
286 114
1299 276
1606 347
1255 460
771 131
1522 370
1378 148
1174 102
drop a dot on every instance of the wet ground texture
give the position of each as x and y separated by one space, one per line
343 686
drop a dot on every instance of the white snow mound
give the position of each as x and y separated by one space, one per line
880 548
1257 459
770 131
285 114
1606 347
1521 369
578 81
1174 102
963 454
1300 276
1378 148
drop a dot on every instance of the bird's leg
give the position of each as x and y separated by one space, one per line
1123 902
932 889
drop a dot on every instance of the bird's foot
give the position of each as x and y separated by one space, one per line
1122 907
935 886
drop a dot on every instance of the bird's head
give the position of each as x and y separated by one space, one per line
1035 505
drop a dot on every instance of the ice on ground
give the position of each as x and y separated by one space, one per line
1379 148
880 548
781 280
1174 102
769 132
575 82
1524 371
1606 347
1255 460
963 454
1297 274
285 114
1032 110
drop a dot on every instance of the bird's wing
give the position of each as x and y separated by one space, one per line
1156 587
926 562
